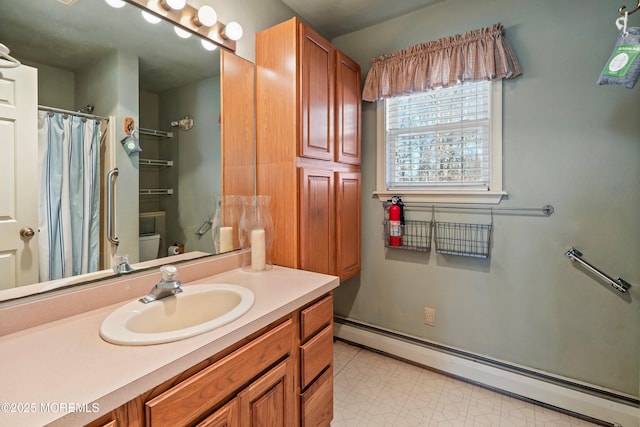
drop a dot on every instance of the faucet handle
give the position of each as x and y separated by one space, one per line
169 273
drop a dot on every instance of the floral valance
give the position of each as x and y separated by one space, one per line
482 54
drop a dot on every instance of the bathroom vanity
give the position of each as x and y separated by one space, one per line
272 366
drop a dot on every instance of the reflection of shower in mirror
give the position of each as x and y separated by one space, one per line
183 124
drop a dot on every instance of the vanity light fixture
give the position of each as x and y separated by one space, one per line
117 4
151 19
208 45
183 34
173 4
232 31
201 21
206 16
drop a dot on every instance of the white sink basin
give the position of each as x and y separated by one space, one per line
198 309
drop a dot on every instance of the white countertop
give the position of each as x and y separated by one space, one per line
48 368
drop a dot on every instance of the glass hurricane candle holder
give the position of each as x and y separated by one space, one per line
225 223
256 233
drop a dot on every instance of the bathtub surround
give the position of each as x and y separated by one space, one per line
567 142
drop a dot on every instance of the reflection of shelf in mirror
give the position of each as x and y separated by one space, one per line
156 191
153 132
156 214
155 162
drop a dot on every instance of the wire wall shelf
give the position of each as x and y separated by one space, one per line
416 235
455 238
451 238
154 132
155 162
155 191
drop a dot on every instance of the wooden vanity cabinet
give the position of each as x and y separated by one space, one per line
308 148
279 377
227 416
196 396
316 363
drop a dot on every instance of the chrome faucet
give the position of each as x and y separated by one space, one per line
166 287
121 265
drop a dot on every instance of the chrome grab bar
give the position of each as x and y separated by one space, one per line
111 206
204 227
618 284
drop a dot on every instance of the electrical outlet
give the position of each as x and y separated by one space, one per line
430 316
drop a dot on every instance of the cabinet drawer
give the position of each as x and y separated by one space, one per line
314 318
197 395
317 402
316 355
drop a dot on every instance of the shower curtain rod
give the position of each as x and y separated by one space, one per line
72 113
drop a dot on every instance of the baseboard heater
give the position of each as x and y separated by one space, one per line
391 342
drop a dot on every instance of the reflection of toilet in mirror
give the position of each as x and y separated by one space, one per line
151 235
149 246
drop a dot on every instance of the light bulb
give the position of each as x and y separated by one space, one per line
208 45
206 16
115 3
151 19
173 4
233 31
183 34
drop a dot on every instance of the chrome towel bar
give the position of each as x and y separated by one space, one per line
618 284
204 227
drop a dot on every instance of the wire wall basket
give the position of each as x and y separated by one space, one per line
454 238
416 235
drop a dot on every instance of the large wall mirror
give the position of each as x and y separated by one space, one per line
110 62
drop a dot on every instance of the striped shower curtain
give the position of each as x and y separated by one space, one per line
69 204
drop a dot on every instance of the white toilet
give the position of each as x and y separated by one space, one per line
149 246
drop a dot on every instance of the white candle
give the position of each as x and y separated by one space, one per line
258 250
226 239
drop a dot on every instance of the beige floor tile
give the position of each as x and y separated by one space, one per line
371 389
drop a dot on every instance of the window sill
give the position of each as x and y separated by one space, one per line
471 197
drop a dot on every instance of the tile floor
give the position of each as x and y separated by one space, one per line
374 390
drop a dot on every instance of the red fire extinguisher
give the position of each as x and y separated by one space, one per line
395 222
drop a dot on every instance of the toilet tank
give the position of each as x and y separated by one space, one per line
149 246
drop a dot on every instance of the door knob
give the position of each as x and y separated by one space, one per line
27 232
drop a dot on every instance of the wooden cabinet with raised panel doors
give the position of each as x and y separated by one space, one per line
316 363
281 376
240 375
308 148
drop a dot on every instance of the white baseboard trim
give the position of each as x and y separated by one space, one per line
618 414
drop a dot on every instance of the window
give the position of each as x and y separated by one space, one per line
442 145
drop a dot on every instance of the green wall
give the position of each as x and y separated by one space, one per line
196 175
567 142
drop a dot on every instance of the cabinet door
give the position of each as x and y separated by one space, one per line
348 223
317 221
348 110
270 400
227 416
317 77
194 397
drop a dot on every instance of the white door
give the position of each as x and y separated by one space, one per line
18 176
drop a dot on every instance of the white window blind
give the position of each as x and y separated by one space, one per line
440 138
